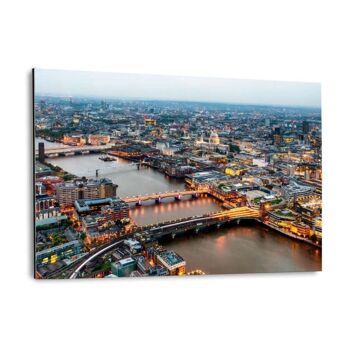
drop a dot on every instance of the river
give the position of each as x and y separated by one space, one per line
246 248
48 144
122 172
241 248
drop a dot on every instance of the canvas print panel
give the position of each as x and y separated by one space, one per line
142 175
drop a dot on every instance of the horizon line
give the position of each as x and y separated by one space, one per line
141 99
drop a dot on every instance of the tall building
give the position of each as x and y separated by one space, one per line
306 127
276 136
41 152
277 130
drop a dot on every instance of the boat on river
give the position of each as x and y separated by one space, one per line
107 158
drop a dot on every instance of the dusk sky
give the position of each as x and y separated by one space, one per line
137 86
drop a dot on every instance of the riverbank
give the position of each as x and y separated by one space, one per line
246 248
290 235
59 172
124 173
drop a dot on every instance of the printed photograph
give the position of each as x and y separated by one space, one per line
149 175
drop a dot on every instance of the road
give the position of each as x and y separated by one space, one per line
93 256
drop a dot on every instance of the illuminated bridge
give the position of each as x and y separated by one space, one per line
157 197
171 227
198 222
73 150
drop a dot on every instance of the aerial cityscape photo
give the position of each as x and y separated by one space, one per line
146 175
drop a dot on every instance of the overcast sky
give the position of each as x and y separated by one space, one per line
135 86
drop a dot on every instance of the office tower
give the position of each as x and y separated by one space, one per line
306 127
41 152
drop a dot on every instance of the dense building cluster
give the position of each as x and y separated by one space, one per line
265 157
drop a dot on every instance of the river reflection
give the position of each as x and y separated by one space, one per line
125 174
171 210
48 144
235 249
244 249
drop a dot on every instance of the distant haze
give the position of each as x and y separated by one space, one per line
156 87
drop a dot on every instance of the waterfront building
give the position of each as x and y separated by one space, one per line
158 270
318 226
69 192
97 140
202 180
105 220
177 169
134 151
228 192
74 140
300 229
281 217
173 262
117 210
201 163
98 205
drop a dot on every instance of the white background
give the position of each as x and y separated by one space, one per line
283 40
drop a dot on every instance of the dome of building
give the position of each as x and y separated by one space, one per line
214 138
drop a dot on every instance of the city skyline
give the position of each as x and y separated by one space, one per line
136 188
124 86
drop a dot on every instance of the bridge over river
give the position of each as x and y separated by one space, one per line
198 222
73 150
173 227
157 197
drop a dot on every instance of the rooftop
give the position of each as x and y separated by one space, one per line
126 261
170 257
84 205
208 176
